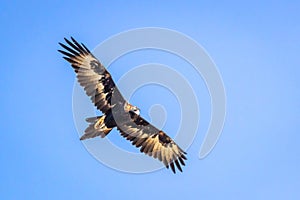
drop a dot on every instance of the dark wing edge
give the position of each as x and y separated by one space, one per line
153 142
91 74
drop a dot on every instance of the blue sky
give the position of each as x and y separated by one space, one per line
255 46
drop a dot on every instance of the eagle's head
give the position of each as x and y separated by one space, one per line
133 109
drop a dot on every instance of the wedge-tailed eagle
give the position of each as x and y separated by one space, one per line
117 112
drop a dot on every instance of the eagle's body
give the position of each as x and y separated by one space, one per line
117 112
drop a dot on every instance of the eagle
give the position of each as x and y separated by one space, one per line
117 112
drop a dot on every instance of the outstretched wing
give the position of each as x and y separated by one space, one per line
92 75
152 141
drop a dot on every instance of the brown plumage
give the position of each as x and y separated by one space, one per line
117 112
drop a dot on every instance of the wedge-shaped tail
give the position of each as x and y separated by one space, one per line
97 127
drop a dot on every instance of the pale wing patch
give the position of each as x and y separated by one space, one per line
91 74
167 152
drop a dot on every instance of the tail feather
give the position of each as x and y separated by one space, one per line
92 119
96 128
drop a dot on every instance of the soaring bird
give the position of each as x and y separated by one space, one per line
117 112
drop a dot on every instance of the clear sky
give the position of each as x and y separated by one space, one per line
255 46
